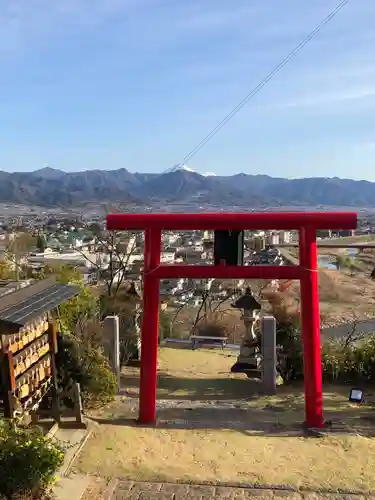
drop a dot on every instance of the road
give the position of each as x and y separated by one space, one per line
288 257
366 326
329 245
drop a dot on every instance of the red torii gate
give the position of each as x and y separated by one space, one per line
305 222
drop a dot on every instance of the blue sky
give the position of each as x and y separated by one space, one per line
90 84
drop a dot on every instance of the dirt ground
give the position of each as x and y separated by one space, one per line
215 426
344 296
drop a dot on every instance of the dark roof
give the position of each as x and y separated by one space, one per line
247 302
26 304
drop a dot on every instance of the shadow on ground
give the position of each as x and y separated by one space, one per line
252 422
180 388
195 390
237 404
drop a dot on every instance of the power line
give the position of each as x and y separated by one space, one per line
260 85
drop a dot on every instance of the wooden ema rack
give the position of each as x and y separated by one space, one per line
28 344
28 366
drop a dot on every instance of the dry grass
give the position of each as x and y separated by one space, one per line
343 298
225 455
257 443
346 297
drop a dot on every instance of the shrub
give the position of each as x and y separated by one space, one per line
99 383
28 460
366 357
125 307
343 361
290 352
212 328
78 361
346 363
165 325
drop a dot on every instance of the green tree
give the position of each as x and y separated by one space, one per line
165 325
352 268
343 261
41 242
78 309
126 306
80 355
78 360
6 272
95 229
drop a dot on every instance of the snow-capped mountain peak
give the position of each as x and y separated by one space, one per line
184 168
179 167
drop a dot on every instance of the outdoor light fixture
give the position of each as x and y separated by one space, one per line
356 396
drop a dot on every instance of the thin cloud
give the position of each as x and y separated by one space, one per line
328 98
199 17
25 23
163 60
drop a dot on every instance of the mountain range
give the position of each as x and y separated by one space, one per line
55 188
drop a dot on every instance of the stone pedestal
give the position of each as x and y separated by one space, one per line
249 358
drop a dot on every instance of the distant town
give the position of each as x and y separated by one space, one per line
38 240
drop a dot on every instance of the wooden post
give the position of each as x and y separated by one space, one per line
34 418
7 382
55 393
77 404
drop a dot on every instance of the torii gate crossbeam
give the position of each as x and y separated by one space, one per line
307 272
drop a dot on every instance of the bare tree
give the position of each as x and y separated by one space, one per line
353 335
213 309
115 274
208 306
175 316
18 246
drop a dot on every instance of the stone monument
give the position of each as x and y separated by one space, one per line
135 295
112 334
269 356
249 358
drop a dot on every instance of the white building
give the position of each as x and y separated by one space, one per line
273 238
285 237
168 257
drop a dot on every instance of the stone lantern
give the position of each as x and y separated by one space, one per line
249 357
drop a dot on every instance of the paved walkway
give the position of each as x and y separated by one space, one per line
126 490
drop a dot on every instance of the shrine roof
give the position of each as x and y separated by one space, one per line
28 303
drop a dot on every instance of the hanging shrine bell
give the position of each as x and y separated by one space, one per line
229 248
